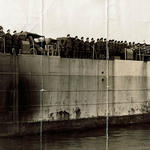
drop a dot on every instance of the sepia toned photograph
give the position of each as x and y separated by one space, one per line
74 75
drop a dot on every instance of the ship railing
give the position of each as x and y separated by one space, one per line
142 53
52 50
128 54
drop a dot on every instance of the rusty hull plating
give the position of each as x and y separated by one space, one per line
74 96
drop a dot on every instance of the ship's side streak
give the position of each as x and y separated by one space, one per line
70 94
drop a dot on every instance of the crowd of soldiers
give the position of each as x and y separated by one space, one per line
78 48
9 42
70 47
13 43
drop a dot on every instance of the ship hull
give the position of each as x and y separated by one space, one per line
63 94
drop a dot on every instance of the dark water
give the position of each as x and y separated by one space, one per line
127 138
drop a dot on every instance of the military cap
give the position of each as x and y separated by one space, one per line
101 38
92 39
82 38
76 36
87 38
98 39
15 31
68 35
104 39
8 30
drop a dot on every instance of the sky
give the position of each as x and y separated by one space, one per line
127 19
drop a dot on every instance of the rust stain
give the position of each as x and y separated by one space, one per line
63 115
78 112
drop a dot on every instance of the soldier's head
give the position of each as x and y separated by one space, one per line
92 39
15 32
8 31
76 37
104 40
82 38
21 32
87 39
101 39
68 35
97 39
1 28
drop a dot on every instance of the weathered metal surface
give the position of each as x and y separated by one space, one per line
75 89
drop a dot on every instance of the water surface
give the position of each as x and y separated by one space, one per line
125 138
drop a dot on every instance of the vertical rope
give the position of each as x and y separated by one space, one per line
107 75
41 123
41 91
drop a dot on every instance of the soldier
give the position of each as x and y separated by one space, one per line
118 48
115 48
134 51
22 37
42 44
92 48
121 49
130 45
138 51
104 49
68 46
110 49
8 42
87 48
15 45
97 49
82 48
76 47
2 39
62 48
